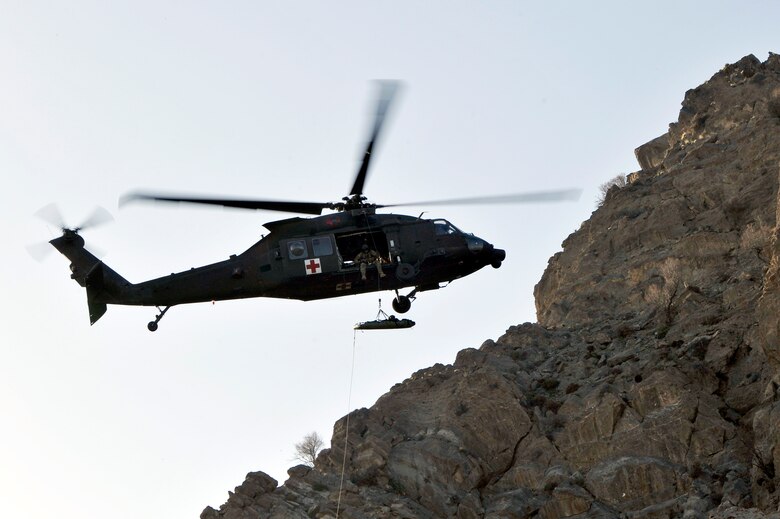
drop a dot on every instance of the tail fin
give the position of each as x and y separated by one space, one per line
103 284
95 285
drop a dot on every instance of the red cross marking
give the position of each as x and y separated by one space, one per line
313 266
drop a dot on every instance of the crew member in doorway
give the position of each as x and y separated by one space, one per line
367 256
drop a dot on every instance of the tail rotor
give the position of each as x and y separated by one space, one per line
51 214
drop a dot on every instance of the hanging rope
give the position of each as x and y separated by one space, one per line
380 312
346 428
375 247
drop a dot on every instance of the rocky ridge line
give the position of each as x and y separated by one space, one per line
647 389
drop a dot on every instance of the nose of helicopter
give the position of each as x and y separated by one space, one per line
497 256
486 252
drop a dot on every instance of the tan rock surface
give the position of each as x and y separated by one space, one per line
647 389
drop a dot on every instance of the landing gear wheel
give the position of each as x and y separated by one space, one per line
152 326
402 304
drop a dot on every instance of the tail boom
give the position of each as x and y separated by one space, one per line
103 284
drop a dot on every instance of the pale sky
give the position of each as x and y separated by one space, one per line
273 100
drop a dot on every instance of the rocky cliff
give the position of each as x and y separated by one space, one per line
648 388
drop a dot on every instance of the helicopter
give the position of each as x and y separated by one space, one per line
308 258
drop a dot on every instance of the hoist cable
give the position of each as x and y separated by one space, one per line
371 235
346 428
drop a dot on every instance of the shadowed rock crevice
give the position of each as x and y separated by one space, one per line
649 386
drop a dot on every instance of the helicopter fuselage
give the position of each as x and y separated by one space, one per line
314 258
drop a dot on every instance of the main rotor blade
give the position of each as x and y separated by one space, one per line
269 205
515 198
387 92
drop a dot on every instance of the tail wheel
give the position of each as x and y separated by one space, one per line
402 304
152 326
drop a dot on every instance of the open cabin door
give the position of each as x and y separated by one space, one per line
350 244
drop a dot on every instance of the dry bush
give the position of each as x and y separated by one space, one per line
671 271
619 181
664 296
307 449
756 235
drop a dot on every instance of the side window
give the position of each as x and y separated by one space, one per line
322 246
297 249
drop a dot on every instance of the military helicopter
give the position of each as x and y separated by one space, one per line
309 258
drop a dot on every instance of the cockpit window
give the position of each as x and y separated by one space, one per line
297 249
443 227
322 246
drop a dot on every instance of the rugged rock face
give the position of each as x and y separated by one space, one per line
647 389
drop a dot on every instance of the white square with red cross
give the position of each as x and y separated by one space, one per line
313 266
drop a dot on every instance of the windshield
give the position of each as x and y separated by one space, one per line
444 227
